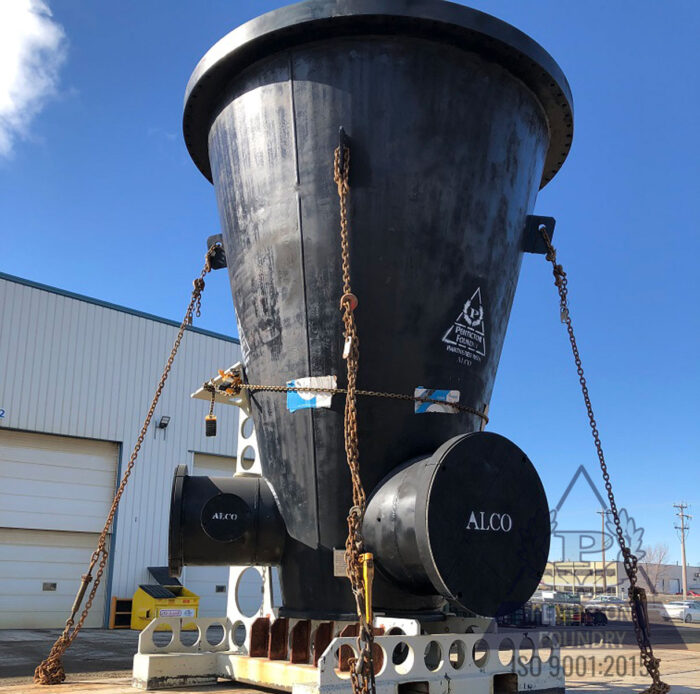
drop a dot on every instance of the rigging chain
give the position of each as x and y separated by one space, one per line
237 385
637 595
361 667
51 670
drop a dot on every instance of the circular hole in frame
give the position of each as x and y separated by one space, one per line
402 653
480 653
248 458
505 651
457 655
545 649
432 656
189 637
526 650
215 634
249 592
164 636
247 427
239 633
341 656
399 654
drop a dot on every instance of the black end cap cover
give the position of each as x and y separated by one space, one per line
488 524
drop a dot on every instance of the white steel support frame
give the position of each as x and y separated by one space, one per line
434 663
456 662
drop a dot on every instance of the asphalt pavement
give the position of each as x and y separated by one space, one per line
93 651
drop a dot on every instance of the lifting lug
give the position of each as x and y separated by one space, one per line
532 238
218 259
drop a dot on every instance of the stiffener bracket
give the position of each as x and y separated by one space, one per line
241 400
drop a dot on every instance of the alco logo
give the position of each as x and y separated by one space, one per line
495 522
226 517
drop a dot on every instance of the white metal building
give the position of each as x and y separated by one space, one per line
76 378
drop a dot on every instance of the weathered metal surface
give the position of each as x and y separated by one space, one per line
447 22
321 638
451 118
277 645
301 642
259 637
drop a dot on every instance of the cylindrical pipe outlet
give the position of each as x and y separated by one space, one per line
223 521
470 523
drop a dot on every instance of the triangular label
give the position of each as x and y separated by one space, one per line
467 334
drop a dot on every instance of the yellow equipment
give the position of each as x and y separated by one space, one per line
167 598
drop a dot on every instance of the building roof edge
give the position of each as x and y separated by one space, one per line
113 307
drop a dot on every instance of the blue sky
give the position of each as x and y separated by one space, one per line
98 195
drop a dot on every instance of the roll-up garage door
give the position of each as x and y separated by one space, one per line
55 493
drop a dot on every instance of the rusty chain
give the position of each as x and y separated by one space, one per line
362 666
51 670
637 595
237 385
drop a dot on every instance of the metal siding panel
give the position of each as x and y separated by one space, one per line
112 418
96 370
13 398
31 406
82 371
51 400
108 406
18 348
25 410
85 377
72 335
153 360
120 389
8 347
61 366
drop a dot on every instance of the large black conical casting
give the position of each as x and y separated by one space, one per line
454 120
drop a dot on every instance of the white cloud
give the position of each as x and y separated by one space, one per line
32 50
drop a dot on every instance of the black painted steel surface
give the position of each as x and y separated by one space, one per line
470 522
223 521
445 22
450 116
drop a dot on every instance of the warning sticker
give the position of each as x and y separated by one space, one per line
446 396
466 337
339 563
305 399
